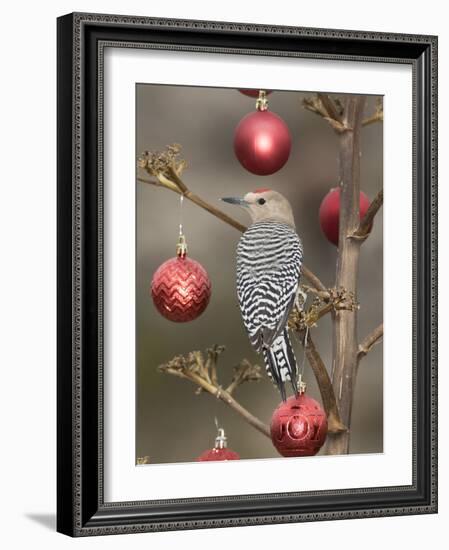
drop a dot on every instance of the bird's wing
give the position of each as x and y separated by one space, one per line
267 279
270 321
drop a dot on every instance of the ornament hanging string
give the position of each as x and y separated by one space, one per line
300 375
300 305
181 204
181 248
217 425
301 383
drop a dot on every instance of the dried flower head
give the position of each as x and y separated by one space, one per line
164 162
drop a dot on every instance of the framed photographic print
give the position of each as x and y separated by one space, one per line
247 282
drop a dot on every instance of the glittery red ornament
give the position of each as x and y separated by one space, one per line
218 454
262 142
181 289
298 426
329 213
252 92
220 451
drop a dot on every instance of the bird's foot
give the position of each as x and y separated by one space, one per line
300 299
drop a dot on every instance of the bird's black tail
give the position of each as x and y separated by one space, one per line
280 362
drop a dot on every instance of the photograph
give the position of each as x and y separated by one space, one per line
259 320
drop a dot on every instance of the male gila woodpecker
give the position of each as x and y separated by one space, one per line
269 258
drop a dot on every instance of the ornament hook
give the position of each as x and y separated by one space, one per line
221 441
262 101
181 247
302 386
300 383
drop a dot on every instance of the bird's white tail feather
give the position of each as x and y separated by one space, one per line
280 362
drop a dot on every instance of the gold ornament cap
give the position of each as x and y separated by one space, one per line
302 386
262 101
181 247
221 441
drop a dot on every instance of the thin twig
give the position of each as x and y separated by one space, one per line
312 278
335 425
330 107
244 372
378 115
367 222
227 398
372 339
322 294
324 106
326 302
202 372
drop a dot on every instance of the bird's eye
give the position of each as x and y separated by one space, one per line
261 201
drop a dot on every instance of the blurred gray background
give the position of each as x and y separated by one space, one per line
174 424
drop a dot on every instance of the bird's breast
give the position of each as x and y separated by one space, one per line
266 246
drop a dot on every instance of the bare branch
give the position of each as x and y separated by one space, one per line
378 115
368 343
193 367
335 425
322 294
167 167
324 106
366 223
330 107
328 301
244 372
162 182
312 278
314 105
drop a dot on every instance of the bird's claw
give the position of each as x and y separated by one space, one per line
300 299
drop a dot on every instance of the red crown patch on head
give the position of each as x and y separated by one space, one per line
261 190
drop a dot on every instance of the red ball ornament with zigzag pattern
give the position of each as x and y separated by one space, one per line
181 288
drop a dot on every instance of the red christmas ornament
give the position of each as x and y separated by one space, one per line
262 142
298 426
329 213
181 287
252 92
220 451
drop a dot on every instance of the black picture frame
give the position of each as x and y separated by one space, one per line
81 509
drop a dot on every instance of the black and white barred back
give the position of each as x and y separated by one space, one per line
269 257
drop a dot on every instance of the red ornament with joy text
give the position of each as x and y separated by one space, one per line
298 426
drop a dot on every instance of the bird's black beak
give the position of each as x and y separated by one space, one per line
236 200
